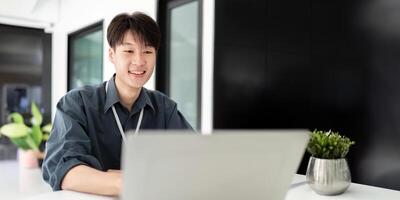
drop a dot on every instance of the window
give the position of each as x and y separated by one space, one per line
180 57
85 56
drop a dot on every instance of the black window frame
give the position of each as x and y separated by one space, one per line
163 59
97 26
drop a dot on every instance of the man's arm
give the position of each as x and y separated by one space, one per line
82 178
70 146
175 119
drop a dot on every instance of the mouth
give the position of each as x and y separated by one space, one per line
137 72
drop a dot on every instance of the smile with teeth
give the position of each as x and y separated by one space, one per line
136 72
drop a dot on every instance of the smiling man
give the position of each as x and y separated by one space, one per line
83 152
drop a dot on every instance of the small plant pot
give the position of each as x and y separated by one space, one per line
328 176
29 158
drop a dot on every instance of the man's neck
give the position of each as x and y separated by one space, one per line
127 95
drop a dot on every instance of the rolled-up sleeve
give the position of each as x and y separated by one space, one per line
68 145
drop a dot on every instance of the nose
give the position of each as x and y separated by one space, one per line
138 59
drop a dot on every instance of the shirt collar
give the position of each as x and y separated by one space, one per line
112 97
142 101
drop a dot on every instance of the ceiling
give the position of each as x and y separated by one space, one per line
31 13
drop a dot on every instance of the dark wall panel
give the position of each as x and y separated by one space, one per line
25 71
314 64
25 58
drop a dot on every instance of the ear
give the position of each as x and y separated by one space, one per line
111 55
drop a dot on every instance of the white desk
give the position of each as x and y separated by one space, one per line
16 183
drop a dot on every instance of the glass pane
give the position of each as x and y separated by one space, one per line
87 59
184 60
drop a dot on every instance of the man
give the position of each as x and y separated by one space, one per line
83 152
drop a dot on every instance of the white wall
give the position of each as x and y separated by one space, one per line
208 67
29 13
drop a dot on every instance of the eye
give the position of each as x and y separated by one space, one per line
148 52
128 51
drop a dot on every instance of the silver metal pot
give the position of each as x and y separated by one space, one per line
328 176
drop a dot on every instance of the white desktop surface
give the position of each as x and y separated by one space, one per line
299 190
19 183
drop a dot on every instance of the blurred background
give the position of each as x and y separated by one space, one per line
230 64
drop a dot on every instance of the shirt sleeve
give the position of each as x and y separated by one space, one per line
68 144
176 120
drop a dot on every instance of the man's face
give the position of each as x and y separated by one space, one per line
134 62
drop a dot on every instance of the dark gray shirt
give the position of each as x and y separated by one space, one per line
85 131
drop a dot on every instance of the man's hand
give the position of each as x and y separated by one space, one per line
117 176
89 180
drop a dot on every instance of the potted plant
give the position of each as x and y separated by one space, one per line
328 172
27 139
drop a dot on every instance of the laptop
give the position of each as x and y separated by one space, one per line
226 165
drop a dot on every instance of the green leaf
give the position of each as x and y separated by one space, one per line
36 115
29 140
17 118
328 145
21 142
23 136
14 130
37 135
46 137
47 128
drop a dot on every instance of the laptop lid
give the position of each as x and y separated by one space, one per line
226 165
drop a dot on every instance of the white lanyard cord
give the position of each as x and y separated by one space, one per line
139 122
119 122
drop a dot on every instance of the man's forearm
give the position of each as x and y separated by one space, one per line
89 180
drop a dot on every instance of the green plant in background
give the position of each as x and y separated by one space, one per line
328 145
25 137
